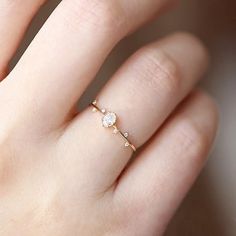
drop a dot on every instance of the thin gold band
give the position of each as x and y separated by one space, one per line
109 121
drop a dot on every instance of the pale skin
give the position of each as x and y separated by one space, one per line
61 172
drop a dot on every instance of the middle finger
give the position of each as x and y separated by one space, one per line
69 50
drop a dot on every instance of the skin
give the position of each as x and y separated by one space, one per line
61 172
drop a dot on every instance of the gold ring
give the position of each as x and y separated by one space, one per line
109 120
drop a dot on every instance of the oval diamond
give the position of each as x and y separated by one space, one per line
109 119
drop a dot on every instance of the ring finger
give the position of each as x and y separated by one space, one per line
142 93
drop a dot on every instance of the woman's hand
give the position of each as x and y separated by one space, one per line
63 173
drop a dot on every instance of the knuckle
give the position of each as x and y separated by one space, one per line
109 16
162 71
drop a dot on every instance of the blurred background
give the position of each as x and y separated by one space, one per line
210 207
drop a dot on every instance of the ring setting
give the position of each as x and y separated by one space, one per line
109 120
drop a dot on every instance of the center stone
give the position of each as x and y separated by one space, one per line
109 119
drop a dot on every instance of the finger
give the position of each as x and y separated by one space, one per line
69 50
142 94
15 16
159 178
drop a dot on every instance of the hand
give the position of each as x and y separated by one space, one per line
63 173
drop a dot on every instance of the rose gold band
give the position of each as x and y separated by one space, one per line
109 120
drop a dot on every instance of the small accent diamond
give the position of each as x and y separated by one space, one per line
115 131
103 111
126 135
127 144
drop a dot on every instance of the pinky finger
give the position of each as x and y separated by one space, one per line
160 177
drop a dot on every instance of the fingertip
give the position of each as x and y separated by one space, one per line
210 111
190 50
